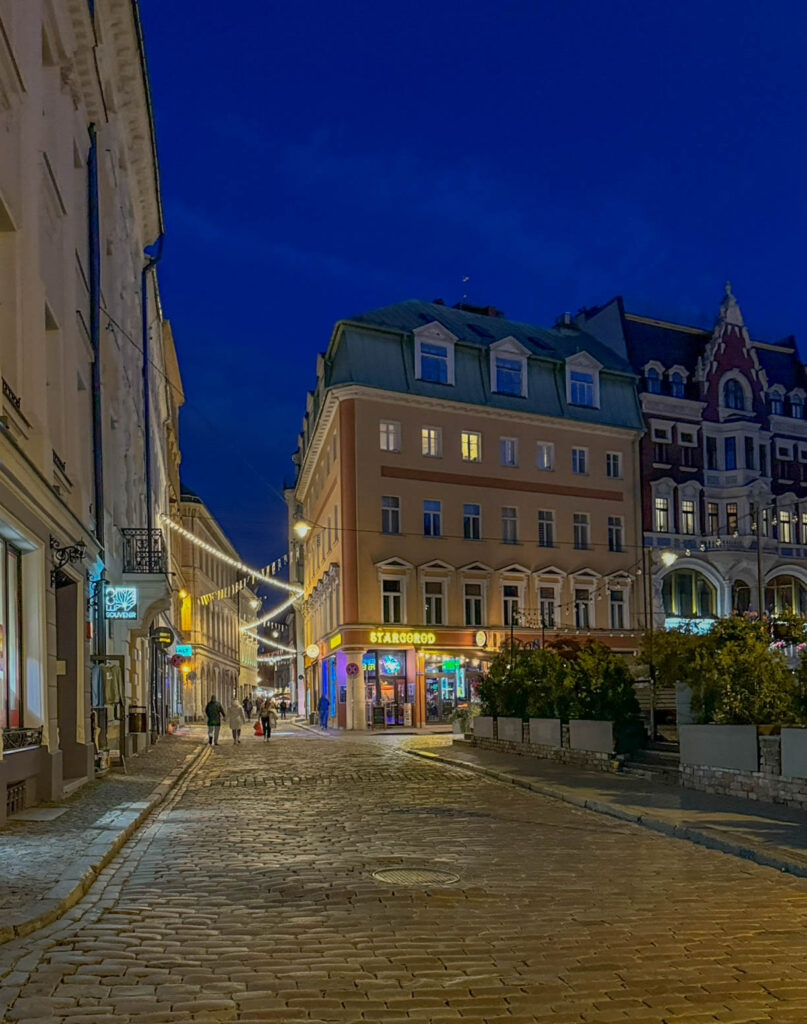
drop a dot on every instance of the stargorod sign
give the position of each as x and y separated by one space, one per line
387 636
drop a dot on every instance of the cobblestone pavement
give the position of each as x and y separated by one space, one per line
250 896
32 853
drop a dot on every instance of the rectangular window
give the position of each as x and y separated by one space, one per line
615 529
11 618
730 452
546 606
336 523
750 448
431 441
731 518
711 453
687 456
390 436
473 604
582 606
613 464
784 453
546 529
431 518
434 363
391 601
390 514
508 451
581 527
471 446
508 376
687 515
616 610
804 528
545 457
712 519
785 528
471 522
510 604
581 388
660 453
661 519
509 525
763 460
686 437
579 460
433 595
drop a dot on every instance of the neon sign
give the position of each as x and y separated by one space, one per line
383 636
390 665
120 602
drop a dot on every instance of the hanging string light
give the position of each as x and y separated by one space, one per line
273 659
270 614
225 592
270 643
256 573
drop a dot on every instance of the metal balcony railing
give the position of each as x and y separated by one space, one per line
17 738
144 550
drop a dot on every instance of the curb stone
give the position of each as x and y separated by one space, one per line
687 832
50 909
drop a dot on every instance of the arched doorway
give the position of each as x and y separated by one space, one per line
688 594
784 595
740 597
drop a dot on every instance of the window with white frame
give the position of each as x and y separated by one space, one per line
616 528
472 521
431 441
687 438
471 446
546 528
390 436
473 598
785 527
508 375
510 603
390 514
613 464
433 601
583 380
734 394
653 380
784 452
687 515
509 525
582 607
545 455
676 386
579 460
777 403
432 513
616 608
391 601
661 515
797 405
434 363
508 451
581 526
547 599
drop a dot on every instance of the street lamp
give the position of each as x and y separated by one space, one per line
302 528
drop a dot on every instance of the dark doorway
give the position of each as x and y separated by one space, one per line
74 754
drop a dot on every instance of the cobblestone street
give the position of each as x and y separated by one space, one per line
250 896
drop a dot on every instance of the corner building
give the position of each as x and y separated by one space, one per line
464 476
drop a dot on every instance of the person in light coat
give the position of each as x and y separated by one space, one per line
236 719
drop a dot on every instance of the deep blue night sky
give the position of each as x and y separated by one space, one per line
323 159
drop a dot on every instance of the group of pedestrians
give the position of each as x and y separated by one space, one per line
237 716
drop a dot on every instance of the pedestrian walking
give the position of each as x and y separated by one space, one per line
268 719
236 719
324 705
247 705
215 713
282 709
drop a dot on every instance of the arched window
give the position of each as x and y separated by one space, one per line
677 385
785 594
653 381
797 407
733 395
687 594
740 597
777 403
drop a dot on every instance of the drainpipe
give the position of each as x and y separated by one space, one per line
150 264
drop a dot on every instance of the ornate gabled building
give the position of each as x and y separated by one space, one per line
723 462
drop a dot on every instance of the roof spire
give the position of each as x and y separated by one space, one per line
729 310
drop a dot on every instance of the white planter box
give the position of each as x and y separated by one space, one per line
545 732
483 727
588 734
510 729
720 746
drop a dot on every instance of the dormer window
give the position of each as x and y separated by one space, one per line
434 354
797 405
733 394
676 385
508 367
583 380
777 403
653 381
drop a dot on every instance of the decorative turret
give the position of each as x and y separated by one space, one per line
729 309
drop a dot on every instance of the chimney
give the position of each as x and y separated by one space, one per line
479 310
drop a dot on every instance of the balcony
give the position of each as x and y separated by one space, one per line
144 551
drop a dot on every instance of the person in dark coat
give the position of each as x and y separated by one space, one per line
215 712
323 706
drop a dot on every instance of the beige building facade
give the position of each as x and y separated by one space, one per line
457 491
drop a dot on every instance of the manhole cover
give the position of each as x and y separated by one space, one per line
415 876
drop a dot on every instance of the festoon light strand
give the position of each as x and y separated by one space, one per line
270 614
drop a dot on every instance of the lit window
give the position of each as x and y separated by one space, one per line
509 376
785 528
653 381
471 446
390 436
687 515
545 457
661 522
713 518
508 451
579 460
434 363
615 530
546 529
509 525
582 528
581 388
471 522
732 518
431 441
390 514
431 518
613 464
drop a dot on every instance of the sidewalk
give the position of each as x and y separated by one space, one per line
768 834
49 864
